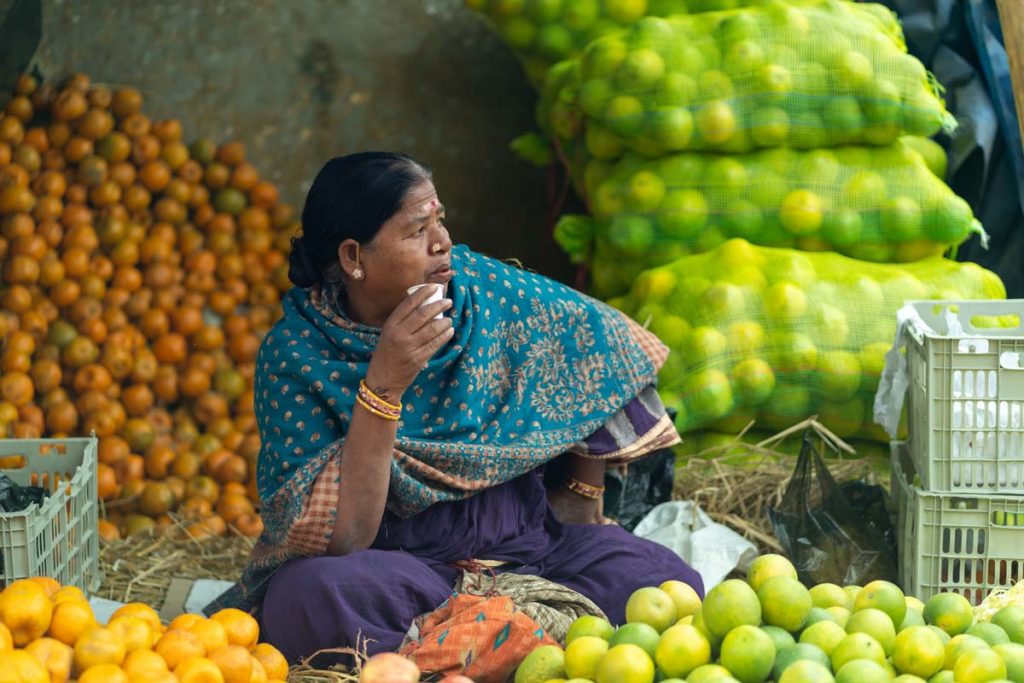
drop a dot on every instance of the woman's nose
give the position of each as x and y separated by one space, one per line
444 238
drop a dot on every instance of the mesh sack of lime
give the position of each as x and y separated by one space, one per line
777 335
879 204
796 75
544 32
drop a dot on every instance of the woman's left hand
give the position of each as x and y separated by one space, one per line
572 508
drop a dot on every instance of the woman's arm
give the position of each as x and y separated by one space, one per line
363 489
408 339
570 506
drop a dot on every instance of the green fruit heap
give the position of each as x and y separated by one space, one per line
771 627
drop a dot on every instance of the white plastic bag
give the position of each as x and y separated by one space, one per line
895 379
712 549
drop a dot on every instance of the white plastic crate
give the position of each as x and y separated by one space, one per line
58 538
966 396
955 542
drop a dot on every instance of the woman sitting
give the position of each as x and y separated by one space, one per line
402 436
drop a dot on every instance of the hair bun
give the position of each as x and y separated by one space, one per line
301 270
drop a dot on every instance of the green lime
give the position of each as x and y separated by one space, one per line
640 634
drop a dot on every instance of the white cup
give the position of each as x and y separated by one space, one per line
435 296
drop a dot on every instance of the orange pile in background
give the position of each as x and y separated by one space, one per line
49 634
139 276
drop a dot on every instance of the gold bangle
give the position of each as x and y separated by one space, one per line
583 489
381 405
387 416
370 394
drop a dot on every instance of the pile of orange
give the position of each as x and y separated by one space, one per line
49 634
139 275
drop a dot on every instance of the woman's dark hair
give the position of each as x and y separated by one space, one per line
351 197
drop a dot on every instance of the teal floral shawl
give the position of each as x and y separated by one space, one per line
534 368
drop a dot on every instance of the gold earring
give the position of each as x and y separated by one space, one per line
435 247
357 272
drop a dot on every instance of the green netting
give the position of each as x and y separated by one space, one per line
879 204
543 32
777 335
769 76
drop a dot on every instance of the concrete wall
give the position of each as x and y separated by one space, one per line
300 81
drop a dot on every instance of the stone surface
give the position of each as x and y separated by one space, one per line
300 81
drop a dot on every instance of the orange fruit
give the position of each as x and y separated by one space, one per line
68 593
259 675
156 499
184 621
198 670
21 667
26 610
99 645
274 663
154 677
49 584
177 645
54 655
233 506
143 661
142 611
126 101
6 640
195 508
135 632
106 480
103 673
203 487
234 662
107 530
242 629
210 527
250 525
71 618
17 388
210 633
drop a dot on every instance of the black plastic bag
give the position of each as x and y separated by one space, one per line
871 502
15 497
646 483
828 536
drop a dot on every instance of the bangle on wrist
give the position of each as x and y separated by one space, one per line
583 489
368 394
393 416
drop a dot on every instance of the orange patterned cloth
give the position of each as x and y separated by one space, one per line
482 637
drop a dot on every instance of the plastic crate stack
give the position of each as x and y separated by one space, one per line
958 480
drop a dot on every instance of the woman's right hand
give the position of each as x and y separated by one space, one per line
410 337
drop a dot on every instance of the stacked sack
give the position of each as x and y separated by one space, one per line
777 335
716 153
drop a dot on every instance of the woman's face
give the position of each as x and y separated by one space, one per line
412 247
